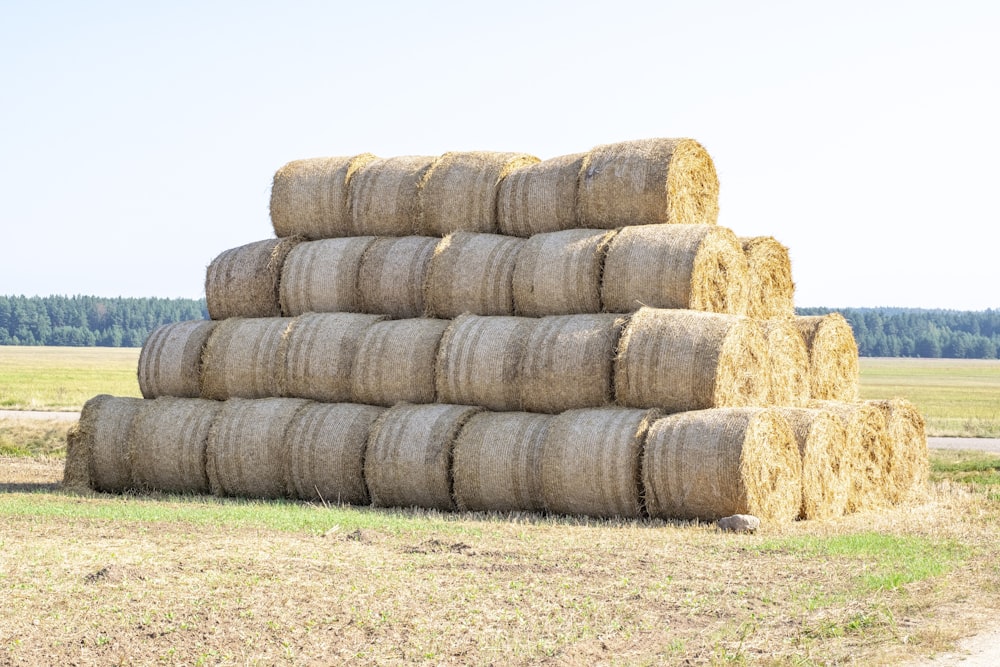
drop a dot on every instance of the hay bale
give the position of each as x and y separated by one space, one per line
168 443
681 360
170 360
244 281
98 450
395 362
459 191
243 358
540 197
322 276
409 457
247 451
319 351
868 434
384 195
709 464
698 267
392 275
789 363
472 273
827 461
568 362
497 462
770 286
479 361
326 452
76 471
560 273
646 182
834 374
908 465
309 197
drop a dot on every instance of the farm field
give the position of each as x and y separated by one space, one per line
64 378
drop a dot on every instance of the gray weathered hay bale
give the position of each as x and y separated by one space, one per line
708 464
479 361
834 374
392 276
244 358
699 267
244 281
789 363
770 286
459 191
168 444
826 461
681 360
568 362
472 273
322 276
309 197
170 359
408 462
868 434
540 197
384 195
395 362
908 465
247 450
591 462
76 470
326 452
560 273
497 462
98 450
647 181
318 353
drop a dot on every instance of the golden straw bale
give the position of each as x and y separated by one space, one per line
168 443
868 433
392 276
559 273
244 358
540 197
396 361
771 289
789 363
245 281
383 195
322 276
909 465
170 360
827 461
834 374
98 446
472 273
309 197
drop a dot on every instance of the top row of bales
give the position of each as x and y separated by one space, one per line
649 181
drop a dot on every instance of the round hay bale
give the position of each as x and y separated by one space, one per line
247 451
326 452
309 197
319 351
392 276
472 273
827 461
243 358
395 362
244 281
170 360
681 360
102 440
540 197
479 361
709 464
909 465
459 191
698 267
559 273
833 357
408 462
568 362
168 443
384 195
497 466
322 276
76 470
770 286
645 182
868 433
789 363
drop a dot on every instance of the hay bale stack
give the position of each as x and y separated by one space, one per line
244 358
326 452
170 360
789 363
680 360
770 285
168 444
826 461
383 195
540 197
697 267
472 273
97 448
559 273
709 464
497 462
309 197
909 465
409 457
392 276
647 181
396 361
322 276
247 451
591 462
568 362
868 436
459 191
834 374
245 281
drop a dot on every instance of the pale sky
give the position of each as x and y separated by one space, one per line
139 141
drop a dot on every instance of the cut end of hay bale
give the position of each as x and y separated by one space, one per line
244 281
834 374
472 273
383 196
770 286
102 438
908 465
539 197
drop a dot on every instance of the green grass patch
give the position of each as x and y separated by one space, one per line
979 469
64 378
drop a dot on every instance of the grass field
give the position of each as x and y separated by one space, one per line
63 378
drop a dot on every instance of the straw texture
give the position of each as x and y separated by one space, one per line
309 197
168 443
826 461
559 273
244 281
384 195
833 357
392 276
396 361
540 197
788 361
472 273
868 432
244 358
102 440
170 360
771 289
321 276
908 465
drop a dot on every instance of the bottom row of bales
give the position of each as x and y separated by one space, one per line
776 463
